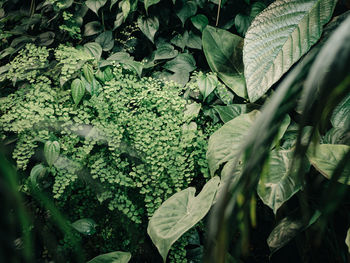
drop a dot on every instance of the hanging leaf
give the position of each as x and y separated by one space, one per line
188 9
149 3
279 183
85 226
200 21
269 55
180 213
223 51
148 26
165 51
206 84
326 157
95 5
226 142
112 257
92 28
78 90
51 152
94 49
105 40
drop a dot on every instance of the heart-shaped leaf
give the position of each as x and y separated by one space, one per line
112 257
37 171
268 55
95 5
92 28
188 9
184 62
78 90
149 3
51 152
85 226
93 49
165 51
200 21
206 84
180 213
105 40
148 26
223 51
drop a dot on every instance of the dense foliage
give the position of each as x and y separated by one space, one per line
129 121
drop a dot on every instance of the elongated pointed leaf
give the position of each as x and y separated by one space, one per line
85 226
325 160
278 37
180 213
51 151
112 257
78 90
223 51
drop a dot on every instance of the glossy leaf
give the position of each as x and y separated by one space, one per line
94 49
206 84
226 142
326 157
180 213
188 9
148 26
105 40
223 51
149 3
51 152
279 182
78 90
95 5
268 56
85 226
112 257
200 21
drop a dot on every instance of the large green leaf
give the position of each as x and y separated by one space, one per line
165 51
279 182
223 51
95 5
112 257
180 213
226 142
341 114
278 37
230 112
326 157
148 26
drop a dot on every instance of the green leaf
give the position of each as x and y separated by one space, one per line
149 3
105 40
148 26
192 110
51 152
92 28
226 142
224 94
184 62
200 21
231 111
45 39
279 182
206 84
78 90
180 213
95 5
119 19
194 41
94 49
85 226
341 114
347 240
326 157
37 171
88 74
188 9
223 52
165 51
180 40
288 228
112 257
268 56
126 7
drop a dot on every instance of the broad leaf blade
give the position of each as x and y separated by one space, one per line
148 26
95 5
180 213
223 51
85 226
278 37
112 257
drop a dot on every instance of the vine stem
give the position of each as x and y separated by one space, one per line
218 14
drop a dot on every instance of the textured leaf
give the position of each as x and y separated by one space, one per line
326 157
347 240
182 63
279 182
231 111
92 28
94 49
206 84
188 9
126 7
112 257
192 110
194 41
51 152
226 142
105 40
278 37
223 52
341 114
200 21
78 90
88 73
85 226
149 3
165 51
148 26
95 5
180 213
37 171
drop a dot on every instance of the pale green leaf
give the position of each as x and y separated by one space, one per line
78 90
278 37
206 84
37 171
112 257
184 62
126 7
192 110
223 51
148 26
95 5
92 28
85 226
180 213
51 151
326 157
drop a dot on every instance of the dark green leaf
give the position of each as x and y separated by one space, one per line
182 63
37 172
194 41
149 3
206 84
45 39
148 26
188 9
200 21
165 51
180 40
85 226
105 40
341 114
